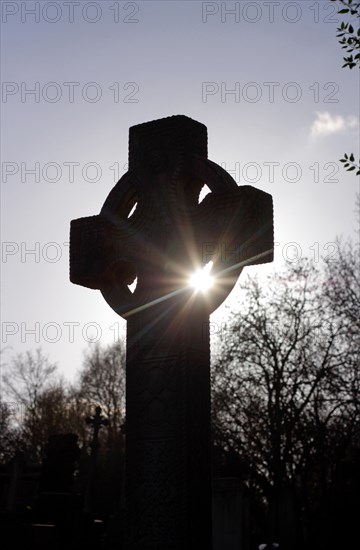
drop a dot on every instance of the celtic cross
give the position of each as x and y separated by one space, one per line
153 229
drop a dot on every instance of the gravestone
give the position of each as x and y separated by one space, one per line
96 422
59 463
231 526
57 507
18 463
160 244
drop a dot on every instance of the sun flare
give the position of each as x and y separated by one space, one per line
201 280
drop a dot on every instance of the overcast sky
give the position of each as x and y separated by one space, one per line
264 77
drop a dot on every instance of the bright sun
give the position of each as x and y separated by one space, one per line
201 280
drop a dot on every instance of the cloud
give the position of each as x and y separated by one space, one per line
327 124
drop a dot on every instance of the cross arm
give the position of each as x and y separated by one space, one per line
100 251
237 228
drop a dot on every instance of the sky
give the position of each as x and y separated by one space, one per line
264 77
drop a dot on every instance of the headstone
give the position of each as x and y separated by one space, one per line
18 463
96 422
231 530
168 237
61 454
57 505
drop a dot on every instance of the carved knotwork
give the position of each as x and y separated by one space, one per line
169 234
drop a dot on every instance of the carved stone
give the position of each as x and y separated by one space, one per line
166 238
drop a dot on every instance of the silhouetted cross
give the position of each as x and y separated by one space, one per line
166 238
96 422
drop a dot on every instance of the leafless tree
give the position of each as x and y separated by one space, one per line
102 382
285 384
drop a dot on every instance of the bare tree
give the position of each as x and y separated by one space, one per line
342 284
283 387
48 405
102 382
10 437
27 376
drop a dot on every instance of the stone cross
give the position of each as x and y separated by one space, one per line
96 422
161 243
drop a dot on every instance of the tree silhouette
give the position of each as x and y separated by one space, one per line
102 382
286 391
